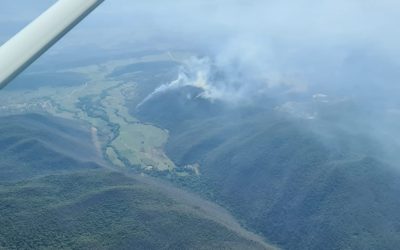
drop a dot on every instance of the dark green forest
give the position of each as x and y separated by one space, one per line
302 184
50 198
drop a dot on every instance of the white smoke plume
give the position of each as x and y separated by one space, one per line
230 77
200 73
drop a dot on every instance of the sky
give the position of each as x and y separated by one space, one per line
309 23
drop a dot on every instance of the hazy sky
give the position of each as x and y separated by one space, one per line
308 22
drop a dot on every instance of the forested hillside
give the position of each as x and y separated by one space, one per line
278 173
55 193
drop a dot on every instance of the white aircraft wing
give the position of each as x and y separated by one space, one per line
30 43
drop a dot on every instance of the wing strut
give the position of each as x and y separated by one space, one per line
36 38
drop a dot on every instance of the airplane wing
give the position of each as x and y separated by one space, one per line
36 38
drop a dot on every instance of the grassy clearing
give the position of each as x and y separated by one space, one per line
143 145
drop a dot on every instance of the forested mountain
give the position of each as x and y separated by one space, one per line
55 192
302 183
